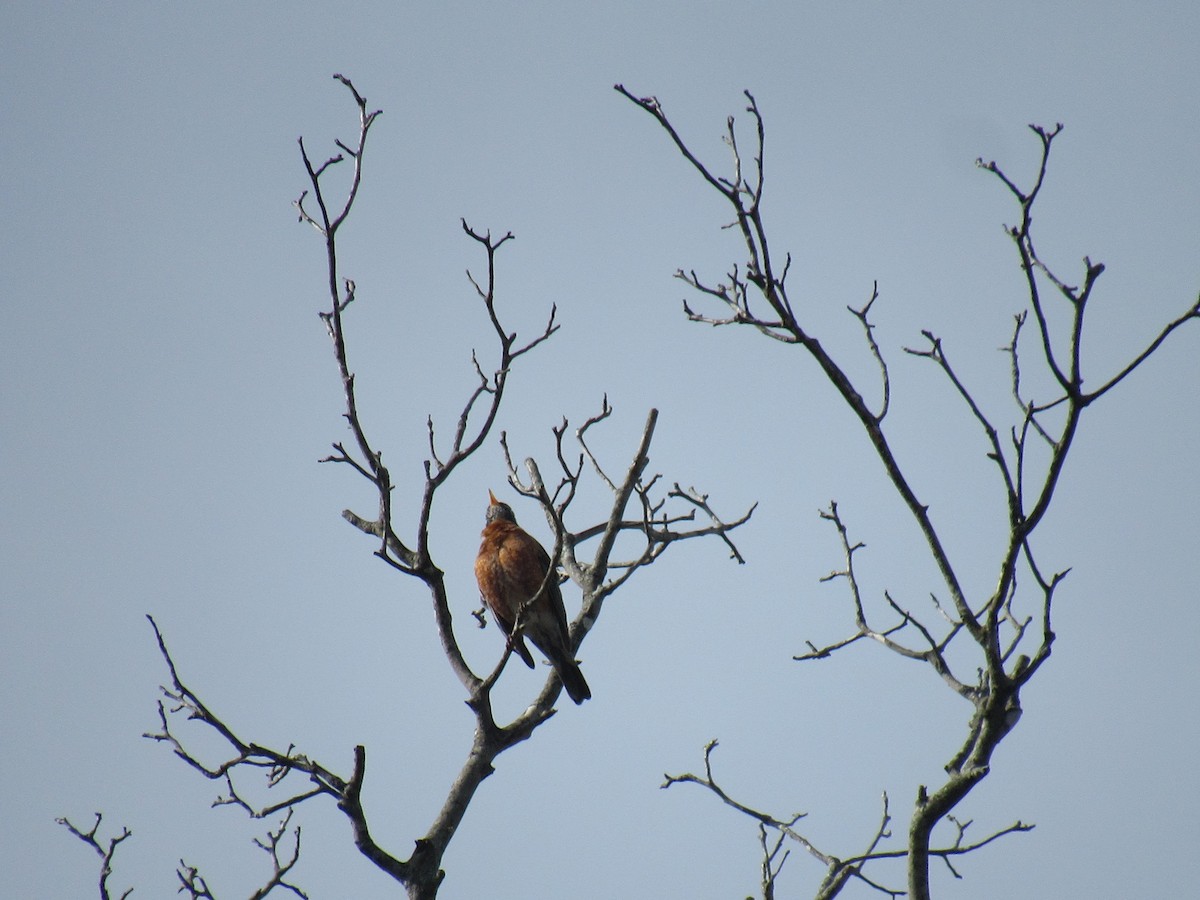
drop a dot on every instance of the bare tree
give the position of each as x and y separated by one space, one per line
1006 634
644 519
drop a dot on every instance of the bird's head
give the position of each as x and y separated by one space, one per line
498 511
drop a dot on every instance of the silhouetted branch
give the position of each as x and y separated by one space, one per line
105 852
869 332
935 652
771 868
1192 313
281 864
193 883
838 870
190 878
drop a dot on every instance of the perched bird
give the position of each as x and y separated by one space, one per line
510 569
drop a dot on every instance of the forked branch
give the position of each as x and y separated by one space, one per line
106 851
838 870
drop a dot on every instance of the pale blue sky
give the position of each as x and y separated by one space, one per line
167 389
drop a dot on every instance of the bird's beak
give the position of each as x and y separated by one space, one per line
492 497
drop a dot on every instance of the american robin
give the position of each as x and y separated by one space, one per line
510 569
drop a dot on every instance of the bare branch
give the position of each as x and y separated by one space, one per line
1193 312
277 765
105 852
1020 234
869 332
718 527
773 291
193 882
771 868
934 655
838 871
654 108
581 435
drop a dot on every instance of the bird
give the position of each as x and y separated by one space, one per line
511 568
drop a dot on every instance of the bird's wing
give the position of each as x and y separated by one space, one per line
525 562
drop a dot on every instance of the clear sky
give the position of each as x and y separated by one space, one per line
167 389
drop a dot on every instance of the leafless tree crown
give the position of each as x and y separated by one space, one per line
648 515
1010 646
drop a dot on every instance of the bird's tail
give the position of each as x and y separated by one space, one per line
572 679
